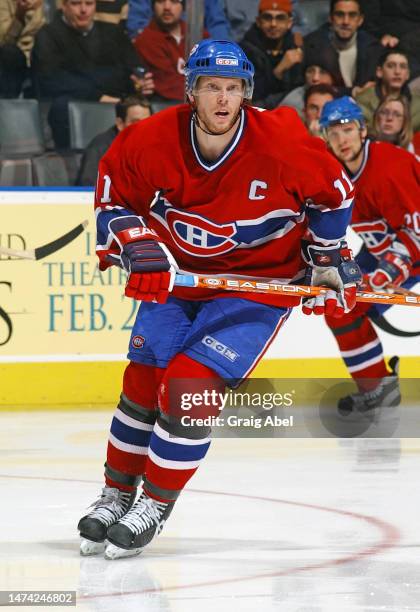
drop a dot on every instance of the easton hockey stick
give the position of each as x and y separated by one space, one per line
255 285
46 249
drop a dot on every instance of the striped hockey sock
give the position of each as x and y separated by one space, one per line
128 443
360 349
172 460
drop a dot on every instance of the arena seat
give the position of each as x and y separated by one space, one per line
87 120
20 129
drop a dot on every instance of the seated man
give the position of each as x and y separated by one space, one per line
352 51
140 13
128 111
318 72
19 22
161 47
392 76
77 58
274 51
315 99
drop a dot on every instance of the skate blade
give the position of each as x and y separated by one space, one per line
113 552
88 548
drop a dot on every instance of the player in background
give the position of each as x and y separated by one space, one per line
386 215
212 186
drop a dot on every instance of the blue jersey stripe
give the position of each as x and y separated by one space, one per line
130 435
364 356
329 225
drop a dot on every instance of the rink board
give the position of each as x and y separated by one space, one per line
64 327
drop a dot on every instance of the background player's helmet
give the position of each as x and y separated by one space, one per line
341 110
220 58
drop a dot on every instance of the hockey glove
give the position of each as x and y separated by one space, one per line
150 267
332 267
393 269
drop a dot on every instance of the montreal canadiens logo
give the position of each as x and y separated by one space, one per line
200 237
138 341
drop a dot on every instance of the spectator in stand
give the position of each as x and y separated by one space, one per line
273 49
128 111
161 47
241 15
215 22
77 58
320 72
392 122
315 98
20 20
352 51
391 20
110 11
392 76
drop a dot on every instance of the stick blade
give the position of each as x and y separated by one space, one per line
59 243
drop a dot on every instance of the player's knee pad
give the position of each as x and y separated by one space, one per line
189 389
141 383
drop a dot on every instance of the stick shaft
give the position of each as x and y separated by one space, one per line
255 285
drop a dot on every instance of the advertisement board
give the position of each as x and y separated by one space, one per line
60 309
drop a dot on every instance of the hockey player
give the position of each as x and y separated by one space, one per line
210 186
386 215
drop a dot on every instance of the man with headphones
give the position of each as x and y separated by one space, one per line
212 186
386 215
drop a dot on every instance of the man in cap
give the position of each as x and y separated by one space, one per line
274 51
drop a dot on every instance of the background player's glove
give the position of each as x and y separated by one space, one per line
331 267
150 266
393 269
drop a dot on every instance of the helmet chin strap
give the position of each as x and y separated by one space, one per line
362 144
356 155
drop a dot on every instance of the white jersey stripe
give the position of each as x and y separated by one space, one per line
164 435
361 349
173 465
365 364
123 418
128 448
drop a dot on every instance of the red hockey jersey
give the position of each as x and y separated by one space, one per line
387 203
243 214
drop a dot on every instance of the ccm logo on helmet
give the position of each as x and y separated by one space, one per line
224 61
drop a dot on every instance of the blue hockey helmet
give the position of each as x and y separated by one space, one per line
221 58
341 110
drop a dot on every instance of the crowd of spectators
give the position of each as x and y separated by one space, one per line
131 53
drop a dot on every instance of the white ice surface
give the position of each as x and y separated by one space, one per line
292 525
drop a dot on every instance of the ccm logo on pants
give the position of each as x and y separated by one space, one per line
220 348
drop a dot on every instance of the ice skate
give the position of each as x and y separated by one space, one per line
371 404
137 528
107 509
